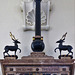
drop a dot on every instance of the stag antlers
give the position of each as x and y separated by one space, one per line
63 37
12 36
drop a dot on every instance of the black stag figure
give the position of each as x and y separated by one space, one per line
12 48
64 47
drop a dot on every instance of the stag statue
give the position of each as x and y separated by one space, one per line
64 47
12 48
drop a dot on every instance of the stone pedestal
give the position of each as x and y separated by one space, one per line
37 63
38 55
11 57
65 57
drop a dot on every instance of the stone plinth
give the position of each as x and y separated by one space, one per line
11 57
65 57
37 63
38 55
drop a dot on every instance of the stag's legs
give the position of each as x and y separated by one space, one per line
70 52
60 52
15 52
19 49
5 52
55 49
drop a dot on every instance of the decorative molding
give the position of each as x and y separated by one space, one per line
28 10
30 18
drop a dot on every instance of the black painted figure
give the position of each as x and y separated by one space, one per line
64 47
12 48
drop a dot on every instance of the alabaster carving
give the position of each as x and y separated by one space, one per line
28 10
30 18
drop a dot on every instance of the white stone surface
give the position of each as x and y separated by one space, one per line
28 10
62 19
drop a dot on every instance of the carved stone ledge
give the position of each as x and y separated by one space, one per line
38 55
11 57
65 57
